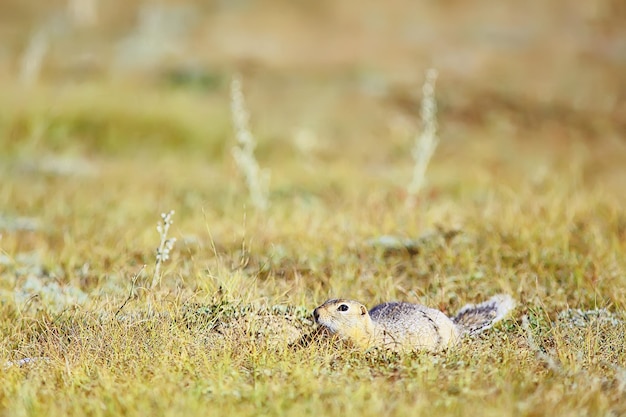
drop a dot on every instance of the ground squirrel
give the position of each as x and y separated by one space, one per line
405 326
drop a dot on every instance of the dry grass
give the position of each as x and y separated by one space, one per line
529 169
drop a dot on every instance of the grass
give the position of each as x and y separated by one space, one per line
555 242
534 185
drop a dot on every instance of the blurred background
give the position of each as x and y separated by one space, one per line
319 75
551 47
114 111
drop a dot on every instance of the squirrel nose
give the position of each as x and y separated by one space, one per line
316 314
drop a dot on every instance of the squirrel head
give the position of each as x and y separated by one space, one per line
347 318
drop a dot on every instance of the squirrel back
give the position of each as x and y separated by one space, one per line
405 326
473 319
401 325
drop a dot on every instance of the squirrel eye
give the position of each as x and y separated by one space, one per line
343 307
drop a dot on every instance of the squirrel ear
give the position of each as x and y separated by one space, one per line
363 310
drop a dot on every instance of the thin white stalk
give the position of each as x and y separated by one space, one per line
426 142
257 180
165 246
32 60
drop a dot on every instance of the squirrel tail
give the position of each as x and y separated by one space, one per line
473 319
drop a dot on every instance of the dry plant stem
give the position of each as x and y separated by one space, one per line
257 180
132 290
32 60
165 246
426 142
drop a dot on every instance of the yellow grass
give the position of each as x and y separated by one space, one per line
529 171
